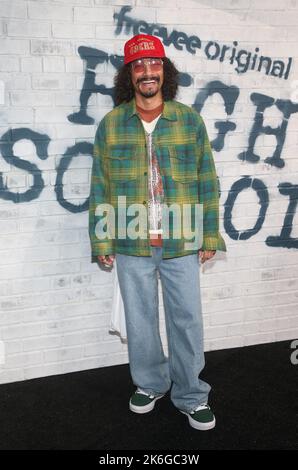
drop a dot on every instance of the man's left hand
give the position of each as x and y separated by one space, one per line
206 254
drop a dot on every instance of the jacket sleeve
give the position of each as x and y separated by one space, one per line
209 193
98 195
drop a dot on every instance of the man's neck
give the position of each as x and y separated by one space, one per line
149 103
148 115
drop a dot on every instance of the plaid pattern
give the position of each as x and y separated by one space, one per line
120 168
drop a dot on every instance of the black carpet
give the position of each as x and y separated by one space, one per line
254 397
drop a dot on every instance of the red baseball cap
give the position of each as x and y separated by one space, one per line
143 45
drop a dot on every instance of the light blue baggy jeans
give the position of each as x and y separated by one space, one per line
150 369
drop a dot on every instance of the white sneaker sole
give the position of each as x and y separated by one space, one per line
199 426
144 409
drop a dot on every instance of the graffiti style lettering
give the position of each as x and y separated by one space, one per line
230 95
177 38
262 102
245 183
213 50
92 57
41 142
284 239
82 148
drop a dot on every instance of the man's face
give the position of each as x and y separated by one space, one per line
147 76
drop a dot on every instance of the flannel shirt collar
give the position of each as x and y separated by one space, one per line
169 111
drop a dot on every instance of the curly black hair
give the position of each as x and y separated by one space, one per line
124 90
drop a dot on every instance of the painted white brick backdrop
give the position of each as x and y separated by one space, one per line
55 305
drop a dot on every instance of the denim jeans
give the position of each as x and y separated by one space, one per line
150 369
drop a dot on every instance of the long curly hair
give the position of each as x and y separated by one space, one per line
124 90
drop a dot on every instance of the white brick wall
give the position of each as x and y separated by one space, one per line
55 306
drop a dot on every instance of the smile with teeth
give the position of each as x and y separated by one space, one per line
148 82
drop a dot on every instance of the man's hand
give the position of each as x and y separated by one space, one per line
107 260
205 255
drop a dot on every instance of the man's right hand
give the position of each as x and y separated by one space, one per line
106 260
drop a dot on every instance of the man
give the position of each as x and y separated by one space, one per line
154 152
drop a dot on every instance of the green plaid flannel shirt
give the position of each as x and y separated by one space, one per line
120 168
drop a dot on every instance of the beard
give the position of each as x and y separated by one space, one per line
149 93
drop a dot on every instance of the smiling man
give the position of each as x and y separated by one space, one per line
155 152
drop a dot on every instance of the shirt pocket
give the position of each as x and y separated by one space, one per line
121 162
184 162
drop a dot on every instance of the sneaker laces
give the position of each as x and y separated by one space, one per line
141 392
202 406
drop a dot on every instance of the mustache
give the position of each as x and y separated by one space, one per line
143 79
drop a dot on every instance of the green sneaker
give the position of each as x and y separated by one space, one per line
142 402
201 418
